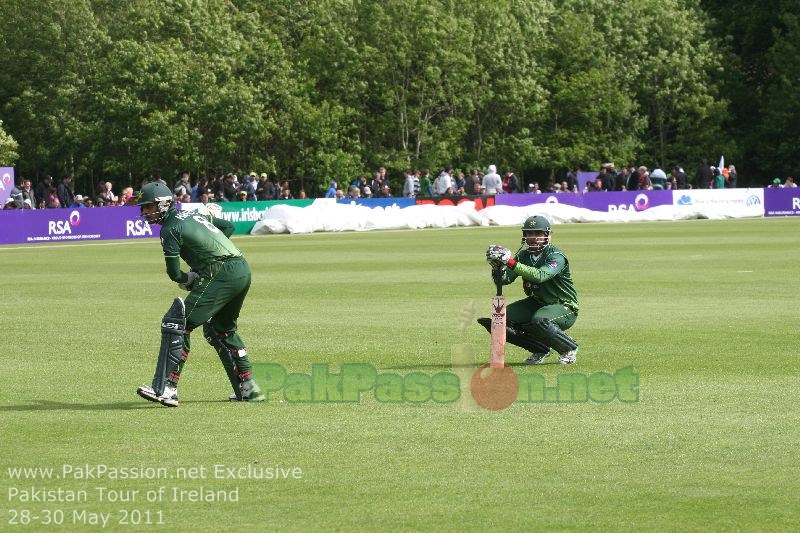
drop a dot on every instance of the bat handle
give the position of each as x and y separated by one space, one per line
497 275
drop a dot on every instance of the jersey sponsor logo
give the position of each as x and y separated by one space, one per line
552 264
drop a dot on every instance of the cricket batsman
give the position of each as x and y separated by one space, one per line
218 281
538 322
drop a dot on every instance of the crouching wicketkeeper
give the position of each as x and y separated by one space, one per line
537 323
218 283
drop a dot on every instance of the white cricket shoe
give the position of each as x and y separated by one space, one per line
147 393
567 358
536 358
170 397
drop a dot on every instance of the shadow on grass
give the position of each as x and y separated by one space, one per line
48 405
518 364
448 366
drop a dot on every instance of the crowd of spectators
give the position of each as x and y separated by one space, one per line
448 182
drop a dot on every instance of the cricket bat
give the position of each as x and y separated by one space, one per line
498 359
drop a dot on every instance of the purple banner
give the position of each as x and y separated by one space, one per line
521 200
584 178
596 201
66 225
626 200
782 202
6 184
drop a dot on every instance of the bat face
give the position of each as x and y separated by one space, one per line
498 331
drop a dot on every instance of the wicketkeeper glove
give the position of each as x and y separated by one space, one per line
191 277
493 257
499 257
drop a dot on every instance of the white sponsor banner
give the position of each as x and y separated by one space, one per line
746 202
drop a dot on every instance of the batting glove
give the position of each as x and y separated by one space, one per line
191 277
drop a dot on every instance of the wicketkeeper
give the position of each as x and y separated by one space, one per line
218 281
537 323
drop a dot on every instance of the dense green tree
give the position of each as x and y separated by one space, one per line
8 148
779 129
333 88
760 80
47 50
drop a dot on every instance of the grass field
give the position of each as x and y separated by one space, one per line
704 311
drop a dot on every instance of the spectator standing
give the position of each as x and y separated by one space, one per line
704 175
377 182
107 194
443 182
52 199
719 178
461 184
361 182
411 184
425 185
679 176
264 189
229 189
492 181
182 186
732 175
23 192
249 186
789 183
510 182
42 190
331 190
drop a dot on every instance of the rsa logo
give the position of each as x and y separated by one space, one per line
137 228
60 227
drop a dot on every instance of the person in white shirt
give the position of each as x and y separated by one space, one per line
443 182
492 181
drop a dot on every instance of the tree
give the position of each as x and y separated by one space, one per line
48 50
8 148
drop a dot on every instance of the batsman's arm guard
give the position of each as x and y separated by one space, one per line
171 353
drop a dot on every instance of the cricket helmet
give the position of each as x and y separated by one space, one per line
159 194
536 233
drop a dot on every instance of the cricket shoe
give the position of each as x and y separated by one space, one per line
249 391
536 358
170 397
568 357
147 393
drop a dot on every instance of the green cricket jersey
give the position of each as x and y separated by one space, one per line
198 239
546 279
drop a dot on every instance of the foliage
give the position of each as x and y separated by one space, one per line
330 89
